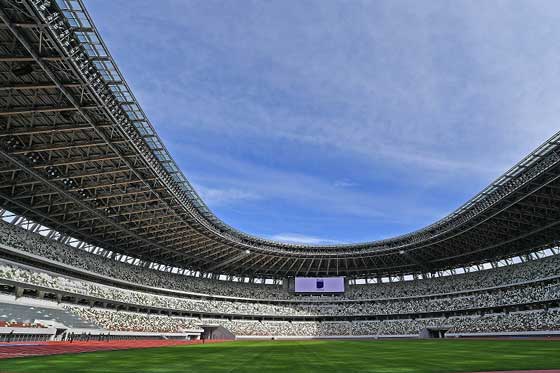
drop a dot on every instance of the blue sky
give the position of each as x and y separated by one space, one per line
340 121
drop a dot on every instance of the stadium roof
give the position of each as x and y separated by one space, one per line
79 155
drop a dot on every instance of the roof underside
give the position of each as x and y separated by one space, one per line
77 154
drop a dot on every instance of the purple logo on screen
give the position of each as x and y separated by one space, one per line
319 285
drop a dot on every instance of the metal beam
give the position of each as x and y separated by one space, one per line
235 258
42 109
32 86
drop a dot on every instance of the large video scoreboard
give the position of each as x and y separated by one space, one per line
318 285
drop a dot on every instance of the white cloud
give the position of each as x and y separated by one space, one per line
309 192
218 197
302 239
344 184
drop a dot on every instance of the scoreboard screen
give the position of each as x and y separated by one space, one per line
319 285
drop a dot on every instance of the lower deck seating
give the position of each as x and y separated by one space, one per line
528 321
20 314
137 322
16 324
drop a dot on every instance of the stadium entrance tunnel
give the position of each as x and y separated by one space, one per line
433 333
216 332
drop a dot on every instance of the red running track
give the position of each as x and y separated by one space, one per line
23 349
524 371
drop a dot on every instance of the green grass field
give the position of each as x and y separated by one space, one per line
307 356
